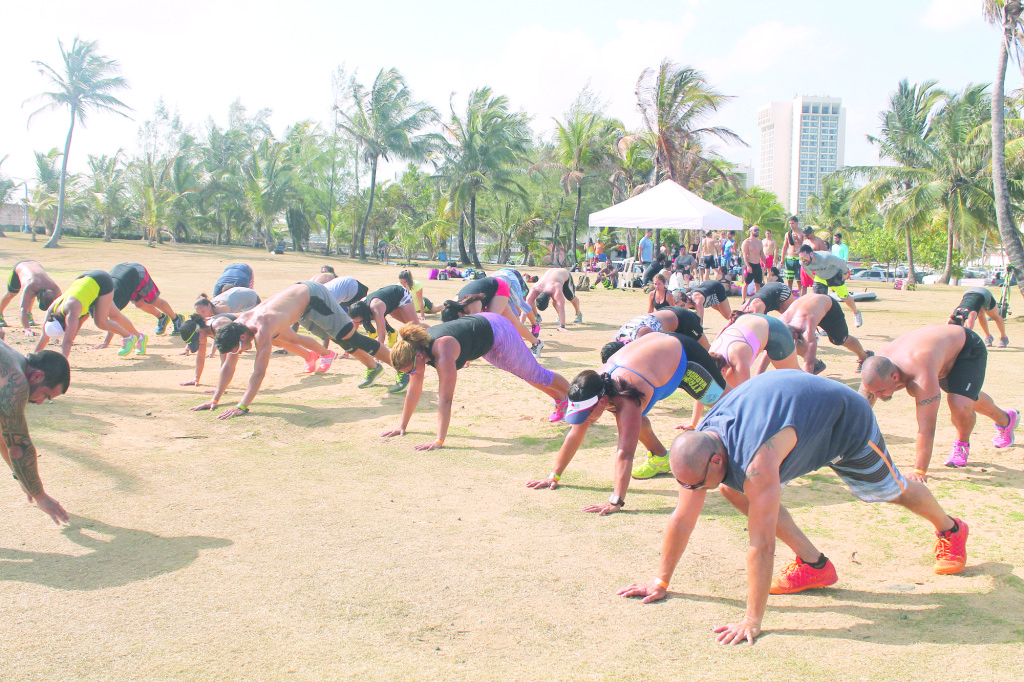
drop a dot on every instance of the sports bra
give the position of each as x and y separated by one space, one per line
723 344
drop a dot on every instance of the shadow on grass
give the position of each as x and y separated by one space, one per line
118 557
903 618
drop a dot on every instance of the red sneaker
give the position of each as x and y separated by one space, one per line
310 364
799 576
325 362
951 550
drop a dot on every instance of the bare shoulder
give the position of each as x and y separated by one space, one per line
13 383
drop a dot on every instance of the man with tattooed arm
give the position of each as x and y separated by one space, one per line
29 379
773 428
926 362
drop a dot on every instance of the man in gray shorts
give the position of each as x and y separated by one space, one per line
312 306
750 446
977 304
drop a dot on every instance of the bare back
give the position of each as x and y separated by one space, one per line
928 351
807 311
277 313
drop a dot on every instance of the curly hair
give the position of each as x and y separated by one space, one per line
412 338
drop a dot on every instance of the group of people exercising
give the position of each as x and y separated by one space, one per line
751 430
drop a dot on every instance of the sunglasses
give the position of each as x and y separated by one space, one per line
697 486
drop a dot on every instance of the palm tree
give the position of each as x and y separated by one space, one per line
1007 14
830 208
675 103
268 186
84 85
384 121
582 142
107 190
486 149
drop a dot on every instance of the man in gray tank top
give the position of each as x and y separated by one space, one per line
771 429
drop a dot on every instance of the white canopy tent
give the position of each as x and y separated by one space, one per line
666 206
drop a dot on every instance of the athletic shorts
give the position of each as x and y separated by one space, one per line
14 282
702 380
132 283
780 343
968 372
709 262
517 290
754 274
717 295
870 475
834 324
792 268
806 279
769 261
235 275
973 302
510 354
324 317
568 289
836 284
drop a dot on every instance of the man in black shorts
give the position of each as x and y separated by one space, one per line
811 311
30 279
773 297
791 244
927 361
749 447
976 300
555 286
753 255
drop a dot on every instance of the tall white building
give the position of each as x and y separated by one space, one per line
801 141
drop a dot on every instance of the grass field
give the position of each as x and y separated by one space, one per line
295 544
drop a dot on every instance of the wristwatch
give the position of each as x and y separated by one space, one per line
616 500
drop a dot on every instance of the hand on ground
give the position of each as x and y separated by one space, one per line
210 405
736 633
393 432
652 592
432 445
547 483
920 478
231 412
602 509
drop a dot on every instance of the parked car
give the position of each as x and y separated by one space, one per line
872 276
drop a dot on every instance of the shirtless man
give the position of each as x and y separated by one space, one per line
791 243
708 253
32 379
753 255
818 310
29 278
829 272
308 303
555 285
749 447
926 362
771 250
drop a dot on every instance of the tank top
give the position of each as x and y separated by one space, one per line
687 322
473 332
85 289
487 286
391 295
663 304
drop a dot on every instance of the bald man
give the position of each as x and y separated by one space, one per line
771 429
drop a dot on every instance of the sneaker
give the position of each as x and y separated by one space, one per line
141 344
310 364
535 330
559 413
958 455
536 348
951 550
325 362
32 322
161 324
652 467
820 366
579 318
401 383
178 321
1004 342
1004 434
392 338
3 322
127 345
858 319
371 376
989 340
798 576
860 363
536 315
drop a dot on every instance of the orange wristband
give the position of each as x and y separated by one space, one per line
663 583
921 472
439 441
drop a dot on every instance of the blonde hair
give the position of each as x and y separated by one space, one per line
412 338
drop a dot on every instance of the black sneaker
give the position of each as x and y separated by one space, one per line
178 321
819 367
161 324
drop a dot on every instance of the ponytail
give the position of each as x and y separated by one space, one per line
616 387
412 338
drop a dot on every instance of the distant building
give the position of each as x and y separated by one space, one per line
12 216
801 141
746 172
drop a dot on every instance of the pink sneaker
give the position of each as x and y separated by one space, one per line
958 456
310 364
559 413
325 362
535 330
1004 434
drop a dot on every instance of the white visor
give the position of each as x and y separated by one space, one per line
53 329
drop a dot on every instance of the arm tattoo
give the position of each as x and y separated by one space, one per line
928 401
14 428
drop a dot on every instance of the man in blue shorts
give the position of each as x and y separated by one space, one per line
771 429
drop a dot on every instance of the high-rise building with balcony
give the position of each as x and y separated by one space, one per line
801 141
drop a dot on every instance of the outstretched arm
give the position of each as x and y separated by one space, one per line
926 397
412 399
570 445
629 419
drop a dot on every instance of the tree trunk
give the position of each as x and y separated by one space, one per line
554 235
59 229
366 218
947 271
463 256
472 232
911 275
575 220
1004 217
108 231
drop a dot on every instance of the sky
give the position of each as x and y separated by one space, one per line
201 56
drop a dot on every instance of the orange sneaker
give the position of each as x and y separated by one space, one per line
951 550
799 576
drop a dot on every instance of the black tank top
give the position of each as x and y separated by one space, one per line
712 286
687 322
487 286
663 304
473 332
391 295
773 294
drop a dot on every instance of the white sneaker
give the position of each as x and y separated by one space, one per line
858 319
536 348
